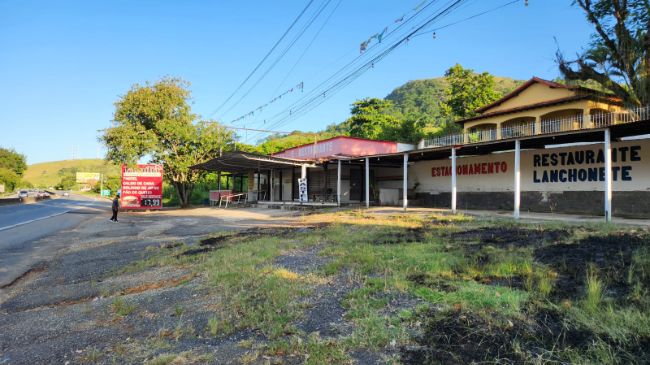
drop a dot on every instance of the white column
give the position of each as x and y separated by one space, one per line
608 176
271 181
517 178
405 181
338 184
453 180
367 182
303 171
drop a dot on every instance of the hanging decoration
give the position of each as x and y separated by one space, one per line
300 86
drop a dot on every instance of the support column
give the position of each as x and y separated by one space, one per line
538 125
517 178
367 182
338 184
405 182
453 180
303 171
271 187
219 180
608 176
281 186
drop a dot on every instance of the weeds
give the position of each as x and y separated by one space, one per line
121 307
594 293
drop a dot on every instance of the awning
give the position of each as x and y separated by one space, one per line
244 162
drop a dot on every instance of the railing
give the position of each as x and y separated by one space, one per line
546 126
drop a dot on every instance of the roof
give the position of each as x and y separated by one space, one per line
240 162
333 138
582 93
529 83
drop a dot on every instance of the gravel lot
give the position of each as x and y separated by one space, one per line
62 311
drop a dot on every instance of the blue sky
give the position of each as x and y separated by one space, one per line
64 63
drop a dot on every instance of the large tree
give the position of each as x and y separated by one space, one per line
371 118
12 160
618 57
468 91
155 121
12 167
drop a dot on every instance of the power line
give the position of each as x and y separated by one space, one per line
402 24
284 52
255 130
308 46
312 103
322 95
264 58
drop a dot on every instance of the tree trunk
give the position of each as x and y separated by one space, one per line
184 191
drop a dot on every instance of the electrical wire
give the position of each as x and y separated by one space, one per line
309 105
284 52
263 59
315 100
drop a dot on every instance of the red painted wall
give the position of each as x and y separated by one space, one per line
348 146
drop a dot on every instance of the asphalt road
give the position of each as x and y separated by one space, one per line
23 225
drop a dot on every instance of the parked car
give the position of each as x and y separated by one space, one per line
23 194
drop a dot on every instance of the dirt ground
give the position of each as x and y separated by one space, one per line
61 308
87 304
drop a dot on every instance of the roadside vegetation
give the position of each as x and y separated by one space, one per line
424 289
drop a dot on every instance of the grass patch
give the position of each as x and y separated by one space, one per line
121 307
255 295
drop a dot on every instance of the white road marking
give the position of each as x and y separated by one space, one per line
32 220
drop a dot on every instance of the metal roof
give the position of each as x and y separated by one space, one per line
242 162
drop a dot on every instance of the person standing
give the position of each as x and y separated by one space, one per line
115 207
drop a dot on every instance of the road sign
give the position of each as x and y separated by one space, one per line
106 192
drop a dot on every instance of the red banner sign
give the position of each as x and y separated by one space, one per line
142 186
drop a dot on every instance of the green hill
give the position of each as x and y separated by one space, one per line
48 174
423 97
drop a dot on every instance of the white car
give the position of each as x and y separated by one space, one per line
23 194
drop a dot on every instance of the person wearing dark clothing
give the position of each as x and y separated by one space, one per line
115 207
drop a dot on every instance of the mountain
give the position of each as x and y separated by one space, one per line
417 100
422 97
48 174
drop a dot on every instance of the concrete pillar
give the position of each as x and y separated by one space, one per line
453 180
271 187
219 180
587 123
251 185
538 125
338 184
367 182
405 183
303 171
608 176
517 179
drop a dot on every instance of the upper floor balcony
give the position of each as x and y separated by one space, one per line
566 120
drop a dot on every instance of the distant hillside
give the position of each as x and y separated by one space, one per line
48 174
423 97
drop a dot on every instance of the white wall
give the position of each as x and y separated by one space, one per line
494 172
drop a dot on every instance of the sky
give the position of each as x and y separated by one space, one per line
63 64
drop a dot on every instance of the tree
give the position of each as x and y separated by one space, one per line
155 121
9 178
13 161
371 119
618 57
468 91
